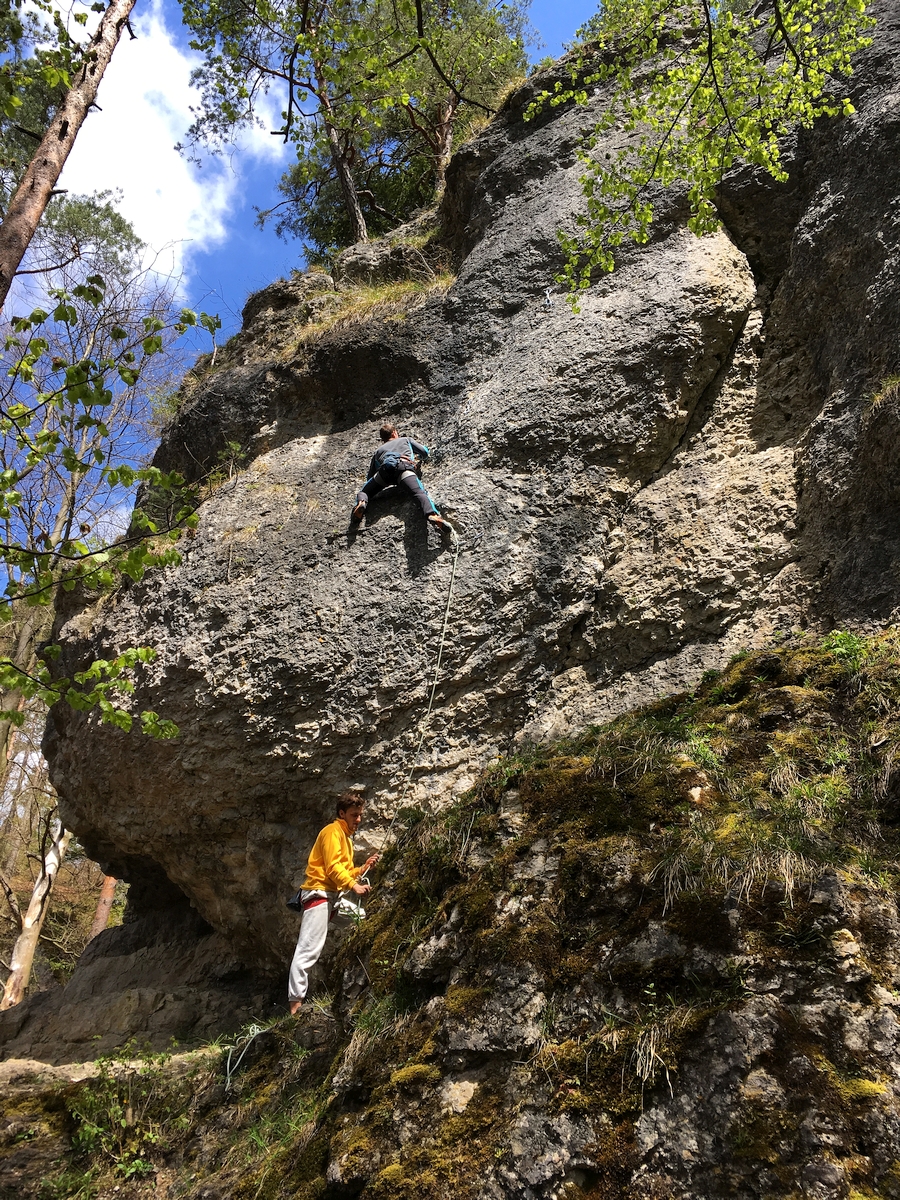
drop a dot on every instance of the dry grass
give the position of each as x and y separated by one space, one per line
296 329
888 391
740 856
381 302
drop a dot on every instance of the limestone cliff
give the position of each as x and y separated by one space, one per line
688 464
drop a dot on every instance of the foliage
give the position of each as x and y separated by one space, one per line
888 391
393 175
697 88
849 647
375 96
400 154
67 369
122 1115
88 229
37 52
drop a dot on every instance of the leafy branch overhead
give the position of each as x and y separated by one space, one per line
375 97
69 374
39 51
696 88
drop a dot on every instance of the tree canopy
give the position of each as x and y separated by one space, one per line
37 52
375 95
698 87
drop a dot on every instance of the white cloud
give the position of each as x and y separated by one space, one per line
145 97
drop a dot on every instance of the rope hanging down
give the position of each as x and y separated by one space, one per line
423 721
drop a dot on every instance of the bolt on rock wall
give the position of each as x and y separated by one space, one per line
685 465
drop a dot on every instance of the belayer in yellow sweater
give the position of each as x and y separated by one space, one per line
329 871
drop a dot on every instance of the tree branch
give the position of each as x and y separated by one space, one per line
56 266
779 22
12 902
710 57
452 86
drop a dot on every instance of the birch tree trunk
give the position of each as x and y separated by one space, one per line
26 943
33 194
104 906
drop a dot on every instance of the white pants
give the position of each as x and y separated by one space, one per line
310 943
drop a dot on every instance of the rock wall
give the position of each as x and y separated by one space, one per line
689 463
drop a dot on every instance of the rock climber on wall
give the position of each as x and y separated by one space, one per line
395 461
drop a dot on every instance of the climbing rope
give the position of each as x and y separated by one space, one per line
423 720
252 1033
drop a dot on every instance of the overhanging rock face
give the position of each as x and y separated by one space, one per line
689 463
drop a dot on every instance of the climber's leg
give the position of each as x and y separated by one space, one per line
413 484
317 908
369 489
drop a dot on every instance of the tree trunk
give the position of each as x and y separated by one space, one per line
104 906
35 627
26 943
345 179
444 131
33 194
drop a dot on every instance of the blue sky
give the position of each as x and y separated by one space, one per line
201 220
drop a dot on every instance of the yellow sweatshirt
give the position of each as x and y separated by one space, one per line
330 867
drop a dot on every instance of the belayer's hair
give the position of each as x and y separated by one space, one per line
387 432
349 800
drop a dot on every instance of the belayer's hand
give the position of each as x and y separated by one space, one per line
361 889
370 862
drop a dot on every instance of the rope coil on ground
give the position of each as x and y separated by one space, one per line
252 1033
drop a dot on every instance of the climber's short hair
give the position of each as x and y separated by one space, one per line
349 800
387 432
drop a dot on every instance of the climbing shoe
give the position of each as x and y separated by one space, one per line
440 523
358 513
